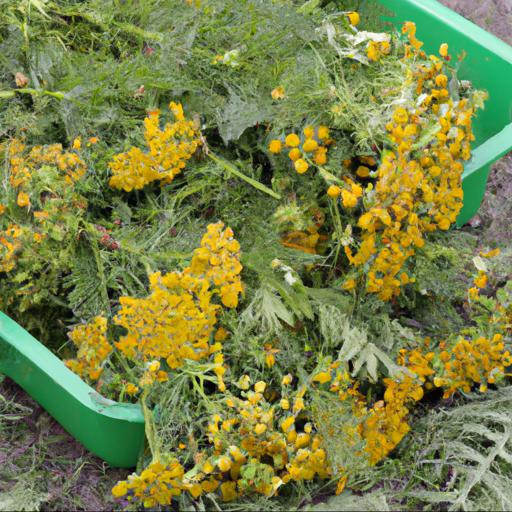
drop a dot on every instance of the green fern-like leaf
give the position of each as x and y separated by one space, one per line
468 455
87 296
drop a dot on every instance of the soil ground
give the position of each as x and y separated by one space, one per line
44 468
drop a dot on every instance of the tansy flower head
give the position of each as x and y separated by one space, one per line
309 132
292 140
278 93
320 157
310 145
334 191
301 166
353 18
294 154
23 199
275 146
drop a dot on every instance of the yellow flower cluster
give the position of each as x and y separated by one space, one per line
409 28
93 348
386 421
168 151
419 187
174 322
157 485
251 454
381 426
9 246
151 375
479 282
306 152
480 361
375 50
350 193
218 261
22 166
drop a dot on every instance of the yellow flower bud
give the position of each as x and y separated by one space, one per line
275 146
260 386
23 199
287 379
301 166
260 428
224 463
334 191
320 156
309 132
323 132
310 145
363 171
292 140
294 154
349 199
278 93
154 366
353 18
208 467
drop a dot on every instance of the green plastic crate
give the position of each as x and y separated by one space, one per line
115 432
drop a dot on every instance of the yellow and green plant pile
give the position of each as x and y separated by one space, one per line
242 220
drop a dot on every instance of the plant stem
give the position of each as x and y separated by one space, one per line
233 170
149 426
329 177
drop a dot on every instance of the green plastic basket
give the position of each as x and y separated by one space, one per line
115 432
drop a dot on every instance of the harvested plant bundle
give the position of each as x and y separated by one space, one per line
251 266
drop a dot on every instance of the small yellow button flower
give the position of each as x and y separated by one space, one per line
481 280
310 145
275 146
292 140
442 81
208 467
224 463
334 191
301 166
323 132
349 284
444 224
294 154
400 116
23 199
260 386
260 428
349 200
120 490
354 18
131 389
278 93
287 380
363 171
309 132
154 366
320 157
287 423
